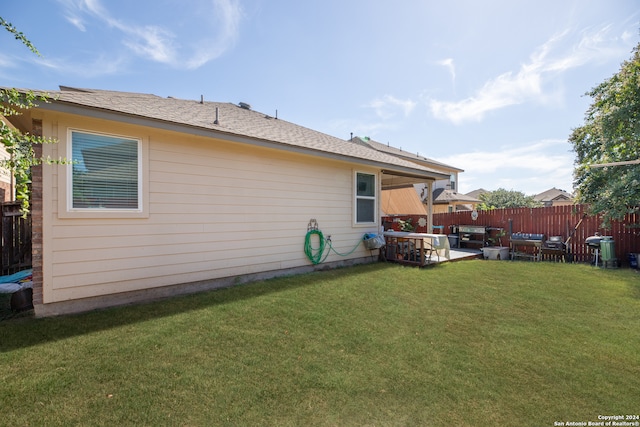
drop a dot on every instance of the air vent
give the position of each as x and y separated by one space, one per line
245 106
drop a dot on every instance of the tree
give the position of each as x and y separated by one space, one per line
502 198
18 35
610 134
18 145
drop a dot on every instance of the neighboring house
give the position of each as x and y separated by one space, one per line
475 194
446 201
400 201
554 197
169 196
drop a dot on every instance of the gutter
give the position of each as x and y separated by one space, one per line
98 113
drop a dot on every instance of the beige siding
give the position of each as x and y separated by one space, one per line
441 208
215 209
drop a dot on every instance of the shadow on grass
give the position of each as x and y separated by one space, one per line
7 313
25 331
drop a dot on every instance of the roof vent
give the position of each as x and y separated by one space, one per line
245 106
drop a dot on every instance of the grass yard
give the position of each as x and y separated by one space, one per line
474 343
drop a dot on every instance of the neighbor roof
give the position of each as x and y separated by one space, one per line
477 193
441 195
233 123
553 194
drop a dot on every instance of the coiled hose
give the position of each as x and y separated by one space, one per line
317 254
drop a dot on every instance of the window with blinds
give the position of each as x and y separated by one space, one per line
105 172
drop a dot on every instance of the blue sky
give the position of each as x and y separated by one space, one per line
492 87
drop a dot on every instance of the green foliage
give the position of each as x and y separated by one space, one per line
496 240
611 133
502 198
20 145
18 35
406 225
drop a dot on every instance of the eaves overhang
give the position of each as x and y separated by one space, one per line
418 173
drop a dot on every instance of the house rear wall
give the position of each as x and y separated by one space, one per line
216 209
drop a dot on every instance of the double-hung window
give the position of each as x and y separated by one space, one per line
106 172
365 198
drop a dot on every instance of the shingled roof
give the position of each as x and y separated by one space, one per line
399 152
233 120
441 195
553 194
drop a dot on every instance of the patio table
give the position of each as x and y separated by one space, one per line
415 248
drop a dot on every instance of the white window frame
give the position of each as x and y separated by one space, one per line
357 197
68 211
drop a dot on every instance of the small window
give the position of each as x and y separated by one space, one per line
105 172
365 198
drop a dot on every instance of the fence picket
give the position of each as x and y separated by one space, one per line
16 239
550 221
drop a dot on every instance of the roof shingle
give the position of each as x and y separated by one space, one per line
232 120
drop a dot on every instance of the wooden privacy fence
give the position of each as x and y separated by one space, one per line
16 239
565 221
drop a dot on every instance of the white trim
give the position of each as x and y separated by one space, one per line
69 211
375 198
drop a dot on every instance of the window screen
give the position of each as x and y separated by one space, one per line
105 172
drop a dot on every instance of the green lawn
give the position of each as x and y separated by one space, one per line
475 343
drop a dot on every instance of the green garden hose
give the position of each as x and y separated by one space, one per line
315 254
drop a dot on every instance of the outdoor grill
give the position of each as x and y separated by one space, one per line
603 250
593 242
531 239
472 234
555 242
554 248
525 240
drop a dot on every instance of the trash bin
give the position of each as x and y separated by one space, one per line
608 253
453 240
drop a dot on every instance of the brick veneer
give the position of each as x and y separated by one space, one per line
36 218
5 192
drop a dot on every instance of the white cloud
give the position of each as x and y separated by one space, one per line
530 168
343 128
160 44
150 42
501 92
72 13
386 106
448 63
228 14
77 22
98 66
528 84
6 62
